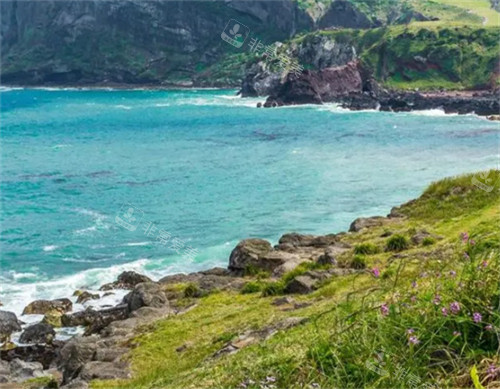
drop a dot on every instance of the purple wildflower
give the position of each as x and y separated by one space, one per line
437 299
413 299
384 309
414 284
444 311
492 370
477 317
484 264
453 273
472 242
376 272
455 307
410 331
466 255
413 340
464 236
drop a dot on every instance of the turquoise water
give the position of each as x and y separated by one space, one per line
204 166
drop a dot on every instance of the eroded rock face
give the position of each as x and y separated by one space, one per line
104 371
147 294
8 324
41 307
38 333
343 13
43 354
316 87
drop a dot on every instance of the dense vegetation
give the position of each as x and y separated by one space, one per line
424 311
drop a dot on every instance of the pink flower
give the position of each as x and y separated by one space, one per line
444 311
455 307
414 284
466 256
472 242
477 317
489 327
484 264
464 236
413 299
413 340
410 331
437 300
492 370
376 272
384 309
456 333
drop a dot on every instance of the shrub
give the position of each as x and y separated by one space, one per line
192 290
273 289
251 287
366 249
429 241
358 262
254 271
397 242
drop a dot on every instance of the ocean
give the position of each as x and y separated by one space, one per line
95 182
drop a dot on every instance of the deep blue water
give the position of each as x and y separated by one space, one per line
204 166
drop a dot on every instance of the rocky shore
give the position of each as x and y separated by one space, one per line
352 87
107 334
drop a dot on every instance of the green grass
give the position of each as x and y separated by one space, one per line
348 336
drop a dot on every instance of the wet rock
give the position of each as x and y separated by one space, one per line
40 307
8 324
366 222
38 333
147 294
247 253
53 318
126 280
44 354
104 371
77 352
86 296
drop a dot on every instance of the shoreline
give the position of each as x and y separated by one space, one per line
456 102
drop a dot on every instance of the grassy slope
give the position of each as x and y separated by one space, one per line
461 50
346 329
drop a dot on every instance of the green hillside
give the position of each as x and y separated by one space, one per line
423 307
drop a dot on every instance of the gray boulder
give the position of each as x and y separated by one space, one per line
76 384
41 307
366 222
8 324
21 371
147 294
126 280
104 371
38 333
247 253
77 352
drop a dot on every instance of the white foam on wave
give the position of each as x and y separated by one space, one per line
132 244
51 247
16 295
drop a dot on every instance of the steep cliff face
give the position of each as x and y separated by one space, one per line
136 42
